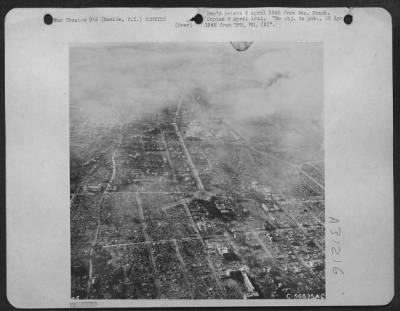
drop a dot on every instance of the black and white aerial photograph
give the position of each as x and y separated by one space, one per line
197 171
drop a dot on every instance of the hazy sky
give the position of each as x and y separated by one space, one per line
267 78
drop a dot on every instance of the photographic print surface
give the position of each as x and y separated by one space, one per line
197 171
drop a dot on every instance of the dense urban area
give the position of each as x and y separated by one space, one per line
183 203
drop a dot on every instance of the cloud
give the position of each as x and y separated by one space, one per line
265 79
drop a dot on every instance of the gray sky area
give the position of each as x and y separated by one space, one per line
267 78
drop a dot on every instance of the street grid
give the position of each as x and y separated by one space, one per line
149 241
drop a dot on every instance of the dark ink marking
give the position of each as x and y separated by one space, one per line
348 19
198 19
48 19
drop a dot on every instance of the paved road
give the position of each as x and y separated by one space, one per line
189 159
82 184
178 132
94 242
175 203
183 267
147 242
168 156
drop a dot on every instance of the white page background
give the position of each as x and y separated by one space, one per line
358 147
